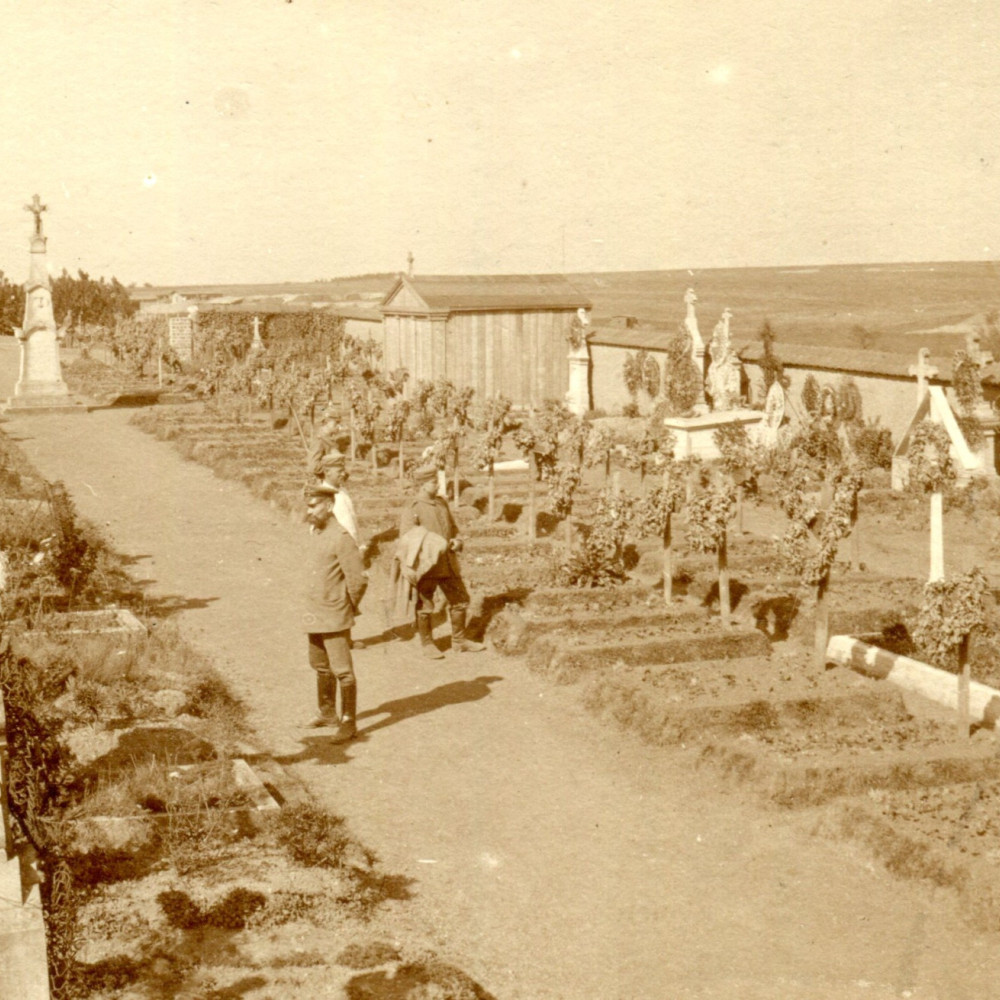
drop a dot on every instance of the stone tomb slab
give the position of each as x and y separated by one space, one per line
696 435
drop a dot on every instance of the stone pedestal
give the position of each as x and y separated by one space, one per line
695 435
987 451
578 394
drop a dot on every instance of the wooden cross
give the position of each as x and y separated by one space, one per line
36 208
924 371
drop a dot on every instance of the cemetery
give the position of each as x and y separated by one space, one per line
763 576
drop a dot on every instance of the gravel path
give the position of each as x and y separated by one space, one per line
553 857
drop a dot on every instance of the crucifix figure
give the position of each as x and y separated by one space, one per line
409 263
924 371
36 208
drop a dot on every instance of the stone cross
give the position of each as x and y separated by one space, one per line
36 208
924 371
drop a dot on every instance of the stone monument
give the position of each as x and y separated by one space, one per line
724 372
697 342
257 344
40 386
695 435
774 413
180 332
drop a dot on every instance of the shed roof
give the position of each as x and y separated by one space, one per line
650 338
855 361
357 312
485 293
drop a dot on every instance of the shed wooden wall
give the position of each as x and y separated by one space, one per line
521 355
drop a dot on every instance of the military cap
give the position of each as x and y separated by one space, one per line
424 473
333 459
314 491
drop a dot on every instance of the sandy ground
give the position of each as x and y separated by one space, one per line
553 857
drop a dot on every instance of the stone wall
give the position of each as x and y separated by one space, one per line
607 386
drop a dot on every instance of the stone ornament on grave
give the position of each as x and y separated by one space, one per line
691 325
774 413
697 346
724 371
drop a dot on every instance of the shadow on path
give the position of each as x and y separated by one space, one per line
323 750
165 605
453 693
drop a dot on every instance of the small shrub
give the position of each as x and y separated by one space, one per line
872 445
180 909
110 974
313 838
367 956
370 889
235 909
756 717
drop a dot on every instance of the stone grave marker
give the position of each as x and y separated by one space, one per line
180 336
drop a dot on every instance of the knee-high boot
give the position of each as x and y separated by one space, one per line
348 728
426 633
459 640
326 698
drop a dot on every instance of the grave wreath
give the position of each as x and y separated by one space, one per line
931 470
493 419
710 508
814 535
654 513
952 608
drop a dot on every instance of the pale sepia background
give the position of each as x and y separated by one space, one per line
265 140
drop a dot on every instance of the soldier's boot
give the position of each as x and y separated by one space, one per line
326 698
459 640
347 729
426 633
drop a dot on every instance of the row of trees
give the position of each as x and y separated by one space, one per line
78 303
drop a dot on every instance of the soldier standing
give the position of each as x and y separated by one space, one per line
335 582
429 510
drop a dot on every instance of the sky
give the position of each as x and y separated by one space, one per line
191 141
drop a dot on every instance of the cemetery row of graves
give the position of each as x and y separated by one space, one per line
689 602
167 854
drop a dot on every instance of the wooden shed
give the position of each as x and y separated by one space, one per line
505 334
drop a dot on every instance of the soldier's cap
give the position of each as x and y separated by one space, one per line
317 491
334 459
425 473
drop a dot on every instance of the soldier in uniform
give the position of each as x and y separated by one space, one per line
429 510
335 582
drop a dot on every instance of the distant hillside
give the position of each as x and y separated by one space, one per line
895 303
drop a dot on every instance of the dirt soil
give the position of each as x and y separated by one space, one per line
553 856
